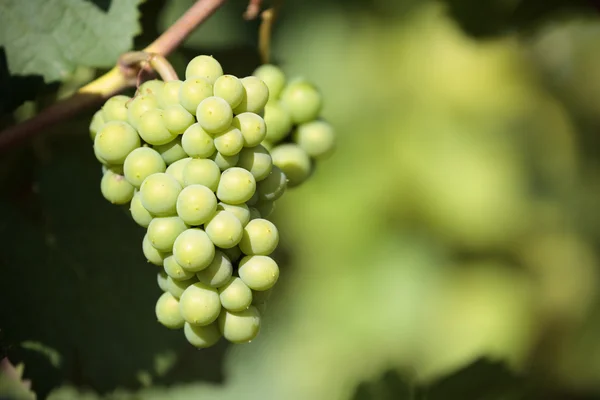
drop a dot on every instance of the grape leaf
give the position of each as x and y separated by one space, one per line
52 37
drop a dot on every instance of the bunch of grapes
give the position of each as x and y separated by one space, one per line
189 157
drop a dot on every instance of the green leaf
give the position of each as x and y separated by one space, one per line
52 37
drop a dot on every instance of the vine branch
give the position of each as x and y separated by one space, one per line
115 80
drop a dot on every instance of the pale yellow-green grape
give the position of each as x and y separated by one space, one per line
214 114
218 271
96 124
316 138
200 304
278 121
240 327
192 92
152 255
293 161
224 162
259 272
115 188
176 286
115 108
235 295
302 100
159 194
163 231
273 186
170 94
202 172
138 106
230 89
260 237
241 211
161 279
256 95
273 77
229 142
196 204
202 337
252 126
167 311
176 169
267 145
141 163
204 67
153 87
233 253
153 129
115 141
224 229
117 169
140 215
257 160
261 297
254 213
197 142
194 250
172 151
177 119
175 271
265 208
236 186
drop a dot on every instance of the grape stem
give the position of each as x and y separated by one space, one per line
265 31
141 59
114 81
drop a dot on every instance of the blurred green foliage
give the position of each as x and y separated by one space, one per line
456 222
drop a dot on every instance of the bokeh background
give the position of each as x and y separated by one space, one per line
448 250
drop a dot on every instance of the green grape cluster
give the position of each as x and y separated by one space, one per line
297 136
192 160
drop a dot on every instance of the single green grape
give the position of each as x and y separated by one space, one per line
152 255
176 169
170 94
159 194
214 114
241 211
161 279
202 337
153 129
204 67
233 253
236 186
230 89
265 207
115 188
240 327
261 297
115 141
259 272
200 304
278 121
224 229
229 142
235 295
167 311
153 87
196 204
197 142
140 215
202 172
273 77
293 161
273 186
163 231
257 160
117 169
176 286
192 92
175 271
194 250
252 127
316 138
218 271
224 162
302 100
115 108
141 163
260 237
177 119
256 95
96 124
267 145
138 106
254 213
172 151
254 199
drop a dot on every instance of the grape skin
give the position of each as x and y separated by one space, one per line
163 231
278 121
153 87
293 161
273 186
200 304
159 194
218 271
273 77
317 138
167 311
230 89
259 272
302 100
204 67
254 214
96 124
197 142
115 188
229 142
138 106
141 163
177 287
140 215
252 128
233 253
115 108
176 169
260 237
202 172
240 327
196 204
235 295
152 255
194 250
177 119
256 95
170 94
265 208
115 141
214 114
192 92
241 211
224 162
257 160
175 271
236 186
152 127
161 279
202 337
172 151
224 229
